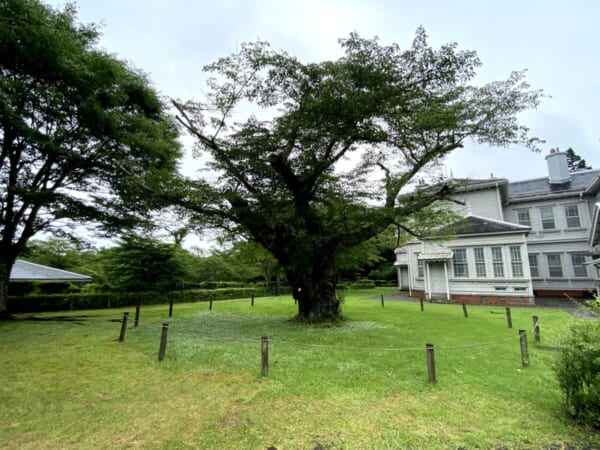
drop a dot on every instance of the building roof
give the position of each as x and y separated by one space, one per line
27 271
470 184
579 182
484 225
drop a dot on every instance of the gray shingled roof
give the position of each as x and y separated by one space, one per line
580 181
26 271
483 225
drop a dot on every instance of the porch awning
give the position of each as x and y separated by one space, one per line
435 256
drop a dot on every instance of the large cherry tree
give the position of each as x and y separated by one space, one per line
318 164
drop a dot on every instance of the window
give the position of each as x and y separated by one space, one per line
523 217
420 267
547 218
533 265
480 262
572 215
459 261
497 262
579 270
516 263
555 266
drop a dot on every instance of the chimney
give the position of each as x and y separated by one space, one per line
558 168
421 183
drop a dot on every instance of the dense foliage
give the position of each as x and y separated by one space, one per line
318 167
83 136
578 371
575 162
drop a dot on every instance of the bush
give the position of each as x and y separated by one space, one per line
63 302
578 372
362 284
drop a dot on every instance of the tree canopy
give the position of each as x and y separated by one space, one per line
140 264
575 162
84 137
321 169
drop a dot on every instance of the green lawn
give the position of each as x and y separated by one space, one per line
363 384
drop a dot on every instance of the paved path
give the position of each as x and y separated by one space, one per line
575 307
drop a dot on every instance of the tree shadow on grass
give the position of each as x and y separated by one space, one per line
79 320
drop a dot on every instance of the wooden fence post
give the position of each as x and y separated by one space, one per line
430 363
464 307
171 307
508 318
382 305
252 300
210 303
137 315
536 329
265 355
163 341
123 326
524 352
421 301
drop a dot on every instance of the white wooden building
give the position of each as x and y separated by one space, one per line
538 237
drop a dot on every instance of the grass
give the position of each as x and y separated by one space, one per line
362 384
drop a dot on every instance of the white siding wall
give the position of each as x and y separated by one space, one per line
563 241
561 231
474 285
484 203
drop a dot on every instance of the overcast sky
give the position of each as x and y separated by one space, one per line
558 42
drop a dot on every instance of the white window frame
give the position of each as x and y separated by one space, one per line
520 221
555 267
546 220
460 268
480 269
516 261
581 266
534 269
420 266
573 220
498 262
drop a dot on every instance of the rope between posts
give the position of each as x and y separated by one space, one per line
334 347
483 344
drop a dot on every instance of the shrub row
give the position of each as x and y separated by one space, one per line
367 284
62 302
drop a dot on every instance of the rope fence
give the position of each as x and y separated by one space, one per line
265 341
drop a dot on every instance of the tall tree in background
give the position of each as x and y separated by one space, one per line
575 162
141 264
339 141
80 131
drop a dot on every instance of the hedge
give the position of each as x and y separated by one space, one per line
62 302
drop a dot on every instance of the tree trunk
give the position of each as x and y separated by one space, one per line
315 292
5 269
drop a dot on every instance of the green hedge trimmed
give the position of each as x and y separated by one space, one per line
63 302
